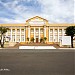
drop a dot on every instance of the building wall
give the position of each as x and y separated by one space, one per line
41 27
20 34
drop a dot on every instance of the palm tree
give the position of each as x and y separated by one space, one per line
32 39
70 31
3 30
41 40
27 38
45 39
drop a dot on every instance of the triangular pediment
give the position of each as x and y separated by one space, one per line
36 21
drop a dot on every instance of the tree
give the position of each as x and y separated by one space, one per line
45 39
32 39
41 40
27 38
3 30
70 31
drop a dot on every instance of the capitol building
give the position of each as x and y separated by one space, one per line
37 28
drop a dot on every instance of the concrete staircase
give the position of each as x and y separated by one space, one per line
36 44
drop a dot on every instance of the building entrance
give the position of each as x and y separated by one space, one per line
36 40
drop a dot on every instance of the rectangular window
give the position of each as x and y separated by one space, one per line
51 30
41 30
51 38
56 31
56 38
13 38
9 31
22 38
37 31
13 30
18 30
64 31
32 30
18 38
22 30
60 30
60 37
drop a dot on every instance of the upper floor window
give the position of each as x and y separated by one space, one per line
55 30
51 30
18 30
9 31
37 30
22 30
13 30
60 30
41 30
32 30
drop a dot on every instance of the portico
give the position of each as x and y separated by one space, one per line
36 28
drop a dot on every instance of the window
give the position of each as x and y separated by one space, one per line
22 38
9 31
41 30
18 38
18 30
32 30
37 30
60 30
51 30
22 30
51 38
56 38
55 30
13 30
60 37
64 31
13 38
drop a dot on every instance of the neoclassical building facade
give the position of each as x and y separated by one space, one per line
36 28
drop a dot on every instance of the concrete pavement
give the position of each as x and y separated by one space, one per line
37 62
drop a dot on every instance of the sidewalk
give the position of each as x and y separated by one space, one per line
67 48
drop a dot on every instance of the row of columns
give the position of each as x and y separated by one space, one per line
54 34
35 33
16 35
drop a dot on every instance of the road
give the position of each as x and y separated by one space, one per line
37 62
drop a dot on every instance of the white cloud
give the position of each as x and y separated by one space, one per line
56 11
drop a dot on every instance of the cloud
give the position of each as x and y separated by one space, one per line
56 11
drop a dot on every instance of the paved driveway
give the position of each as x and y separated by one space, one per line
39 62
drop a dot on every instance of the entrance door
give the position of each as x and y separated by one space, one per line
36 40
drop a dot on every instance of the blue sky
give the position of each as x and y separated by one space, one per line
18 11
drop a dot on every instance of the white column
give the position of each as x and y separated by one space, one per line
53 35
6 35
58 34
39 34
29 33
49 34
15 35
11 35
20 34
34 35
62 32
44 31
24 34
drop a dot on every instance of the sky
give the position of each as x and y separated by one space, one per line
55 11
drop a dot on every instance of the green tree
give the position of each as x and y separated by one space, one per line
70 31
27 38
3 30
45 39
41 40
32 39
